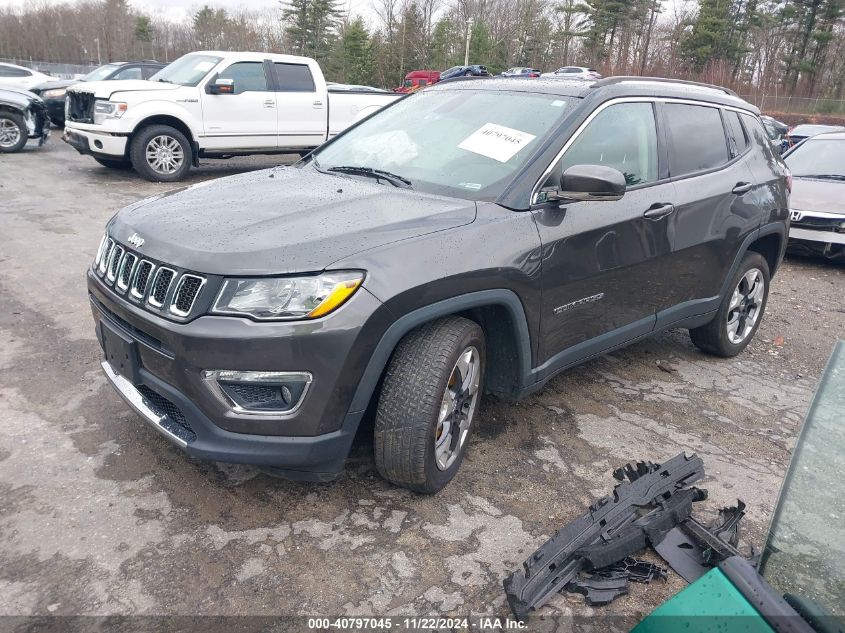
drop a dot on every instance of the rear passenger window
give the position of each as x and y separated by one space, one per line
736 135
622 136
696 138
248 76
294 78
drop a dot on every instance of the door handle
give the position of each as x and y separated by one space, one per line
317 104
269 103
742 188
659 210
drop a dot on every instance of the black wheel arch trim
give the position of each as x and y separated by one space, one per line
399 328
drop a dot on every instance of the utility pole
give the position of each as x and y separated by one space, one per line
99 61
469 35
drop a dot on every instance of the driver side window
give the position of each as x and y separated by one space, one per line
622 136
248 76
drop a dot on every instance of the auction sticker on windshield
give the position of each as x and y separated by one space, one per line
496 141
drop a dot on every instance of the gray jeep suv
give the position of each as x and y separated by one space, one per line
479 236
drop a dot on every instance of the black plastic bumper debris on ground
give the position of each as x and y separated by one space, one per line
591 555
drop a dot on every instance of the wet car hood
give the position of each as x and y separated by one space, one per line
810 194
281 220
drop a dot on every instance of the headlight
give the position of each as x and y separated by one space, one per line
55 93
108 110
300 297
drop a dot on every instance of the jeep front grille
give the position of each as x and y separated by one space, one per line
156 287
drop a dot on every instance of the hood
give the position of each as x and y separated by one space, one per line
810 194
105 89
281 220
52 85
18 97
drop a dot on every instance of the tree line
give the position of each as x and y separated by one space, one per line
793 47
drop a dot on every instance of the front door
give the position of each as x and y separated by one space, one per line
244 119
603 262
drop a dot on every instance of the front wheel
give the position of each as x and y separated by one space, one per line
740 312
428 403
468 73
13 132
161 153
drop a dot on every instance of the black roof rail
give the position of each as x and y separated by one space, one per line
607 81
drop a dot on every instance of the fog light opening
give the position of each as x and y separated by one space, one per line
264 393
98 144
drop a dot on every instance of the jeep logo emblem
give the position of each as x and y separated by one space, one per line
136 240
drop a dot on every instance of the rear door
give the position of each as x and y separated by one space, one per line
714 210
602 261
244 119
302 108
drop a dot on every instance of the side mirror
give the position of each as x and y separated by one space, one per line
221 86
590 182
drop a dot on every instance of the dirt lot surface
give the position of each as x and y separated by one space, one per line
100 515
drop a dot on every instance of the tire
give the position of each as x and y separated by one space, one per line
729 332
13 132
468 73
174 145
414 448
114 163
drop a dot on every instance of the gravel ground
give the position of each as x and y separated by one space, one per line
100 515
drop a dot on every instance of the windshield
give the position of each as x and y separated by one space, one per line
817 157
462 143
101 73
188 70
805 552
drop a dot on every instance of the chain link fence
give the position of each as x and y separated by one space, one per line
796 105
57 70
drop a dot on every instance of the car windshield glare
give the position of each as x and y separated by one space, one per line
805 552
188 70
463 143
101 73
817 157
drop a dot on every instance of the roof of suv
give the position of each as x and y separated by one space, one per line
612 86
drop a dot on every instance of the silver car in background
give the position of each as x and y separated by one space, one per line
817 205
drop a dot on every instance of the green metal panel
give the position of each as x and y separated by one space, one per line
710 605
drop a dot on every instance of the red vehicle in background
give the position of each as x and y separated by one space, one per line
417 79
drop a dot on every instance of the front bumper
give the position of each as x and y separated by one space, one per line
310 444
95 143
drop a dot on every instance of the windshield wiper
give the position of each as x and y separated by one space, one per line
380 174
823 176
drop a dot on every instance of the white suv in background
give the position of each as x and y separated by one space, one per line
21 77
574 72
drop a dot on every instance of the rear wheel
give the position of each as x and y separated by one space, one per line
468 73
114 163
428 404
741 310
13 132
161 153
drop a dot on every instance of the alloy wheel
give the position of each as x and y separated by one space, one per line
745 306
457 408
164 154
10 133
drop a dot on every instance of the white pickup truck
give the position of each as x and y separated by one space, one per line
212 104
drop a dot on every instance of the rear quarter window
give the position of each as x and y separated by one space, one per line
736 134
696 138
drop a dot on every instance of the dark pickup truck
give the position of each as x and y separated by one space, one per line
479 236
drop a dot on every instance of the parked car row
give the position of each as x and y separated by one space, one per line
417 79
